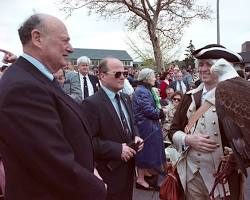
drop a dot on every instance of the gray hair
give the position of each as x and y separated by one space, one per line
145 74
26 28
210 61
83 60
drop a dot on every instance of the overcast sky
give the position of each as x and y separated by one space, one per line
93 32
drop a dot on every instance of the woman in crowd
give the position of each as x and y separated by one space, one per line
164 84
170 111
147 115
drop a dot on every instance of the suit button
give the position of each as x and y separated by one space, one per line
213 110
215 134
213 122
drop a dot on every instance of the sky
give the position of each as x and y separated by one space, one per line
95 32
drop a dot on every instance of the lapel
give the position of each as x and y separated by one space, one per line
112 112
27 66
94 82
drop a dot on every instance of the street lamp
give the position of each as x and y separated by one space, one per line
218 21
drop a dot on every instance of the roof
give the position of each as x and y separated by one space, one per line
245 56
98 54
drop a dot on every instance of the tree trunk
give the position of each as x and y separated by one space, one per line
156 46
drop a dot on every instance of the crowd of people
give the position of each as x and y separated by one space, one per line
68 132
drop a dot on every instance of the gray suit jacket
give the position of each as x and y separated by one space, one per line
72 86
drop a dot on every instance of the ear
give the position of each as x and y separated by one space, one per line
101 76
36 38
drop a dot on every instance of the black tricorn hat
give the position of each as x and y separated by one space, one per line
216 51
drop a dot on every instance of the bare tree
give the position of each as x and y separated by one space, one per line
159 18
142 48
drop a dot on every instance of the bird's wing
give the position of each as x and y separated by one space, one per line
238 138
232 105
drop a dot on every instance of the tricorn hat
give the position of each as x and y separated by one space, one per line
216 51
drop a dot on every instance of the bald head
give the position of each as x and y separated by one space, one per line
41 22
46 38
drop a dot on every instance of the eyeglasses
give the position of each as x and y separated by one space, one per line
118 74
176 99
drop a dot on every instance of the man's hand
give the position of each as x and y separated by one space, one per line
127 152
8 57
201 142
96 173
139 140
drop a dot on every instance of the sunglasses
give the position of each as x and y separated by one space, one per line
176 99
118 74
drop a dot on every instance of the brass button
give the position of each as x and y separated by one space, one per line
213 122
215 134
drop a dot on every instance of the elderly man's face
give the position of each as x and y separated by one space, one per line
204 72
54 44
83 69
114 77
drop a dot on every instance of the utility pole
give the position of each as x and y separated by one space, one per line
218 21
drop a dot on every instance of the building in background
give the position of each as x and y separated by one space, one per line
96 55
245 53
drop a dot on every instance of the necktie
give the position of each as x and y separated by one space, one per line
180 86
122 116
85 88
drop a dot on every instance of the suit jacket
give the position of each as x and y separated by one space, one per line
44 140
72 86
173 85
108 137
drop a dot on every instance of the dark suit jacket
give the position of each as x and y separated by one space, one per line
174 83
108 137
44 140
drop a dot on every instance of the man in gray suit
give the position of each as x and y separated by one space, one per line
88 83
69 82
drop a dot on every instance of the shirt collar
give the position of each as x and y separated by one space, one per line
110 93
42 68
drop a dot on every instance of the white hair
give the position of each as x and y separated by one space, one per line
210 61
145 74
83 60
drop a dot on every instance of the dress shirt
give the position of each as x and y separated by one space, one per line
90 86
43 69
113 100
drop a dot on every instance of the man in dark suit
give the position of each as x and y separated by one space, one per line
45 141
89 83
179 84
113 130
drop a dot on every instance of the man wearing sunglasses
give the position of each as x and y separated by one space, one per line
109 112
205 141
